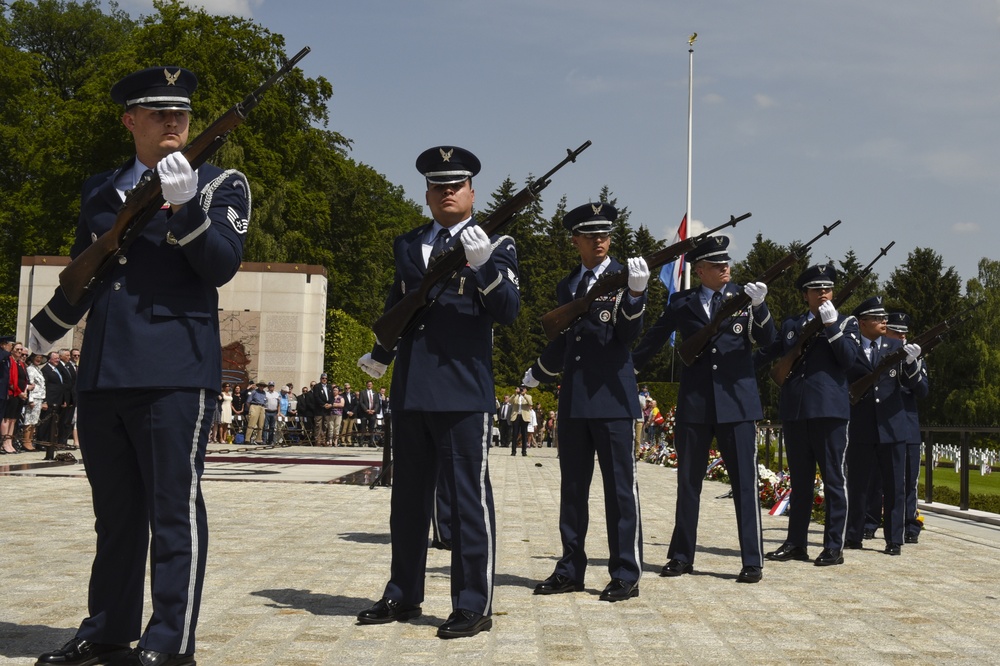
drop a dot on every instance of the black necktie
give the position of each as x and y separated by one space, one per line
581 289
873 356
713 306
440 241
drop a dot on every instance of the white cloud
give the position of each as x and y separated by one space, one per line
242 8
764 101
965 227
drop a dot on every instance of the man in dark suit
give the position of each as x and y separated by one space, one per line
149 379
503 421
56 400
879 427
815 407
719 399
322 406
66 418
597 408
442 399
369 405
349 421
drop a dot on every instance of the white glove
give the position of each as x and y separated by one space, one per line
912 352
529 379
827 312
178 180
638 274
372 368
37 343
756 291
477 245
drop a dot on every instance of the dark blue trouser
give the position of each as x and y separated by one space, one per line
144 450
611 440
457 443
822 442
888 460
737 444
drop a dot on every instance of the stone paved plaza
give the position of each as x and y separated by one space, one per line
295 554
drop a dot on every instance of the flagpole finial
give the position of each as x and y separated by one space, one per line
692 38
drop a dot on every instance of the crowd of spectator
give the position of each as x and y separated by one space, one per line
37 399
321 414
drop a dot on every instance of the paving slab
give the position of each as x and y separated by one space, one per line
295 552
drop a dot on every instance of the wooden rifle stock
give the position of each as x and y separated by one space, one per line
143 202
926 341
555 322
691 348
787 363
400 318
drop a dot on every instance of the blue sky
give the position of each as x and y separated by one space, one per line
881 114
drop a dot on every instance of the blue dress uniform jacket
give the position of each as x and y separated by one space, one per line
597 412
163 295
446 362
878 430
442 416
718 399
818 386
720 386
881 415
594 358
815 408
147 389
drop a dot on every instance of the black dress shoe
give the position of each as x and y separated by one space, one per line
80 652
853 545
143 657
619 590
869 534
386 610
442 544
676 568
789 552
892 549
557 584
463 623
911 538
829 558
750 575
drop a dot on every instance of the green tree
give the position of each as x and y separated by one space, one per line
311 202
346 341
969 365
929 293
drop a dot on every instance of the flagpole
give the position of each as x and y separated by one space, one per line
687 212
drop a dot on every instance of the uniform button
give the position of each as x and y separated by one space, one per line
877 400
577 358
578 338
420 328
714 350
715 367
116 286
122 260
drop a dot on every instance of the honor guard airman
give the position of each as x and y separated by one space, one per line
150 378
442 399
897 326
879 427
597 408
815 408
718 399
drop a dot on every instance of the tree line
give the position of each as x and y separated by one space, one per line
313 203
